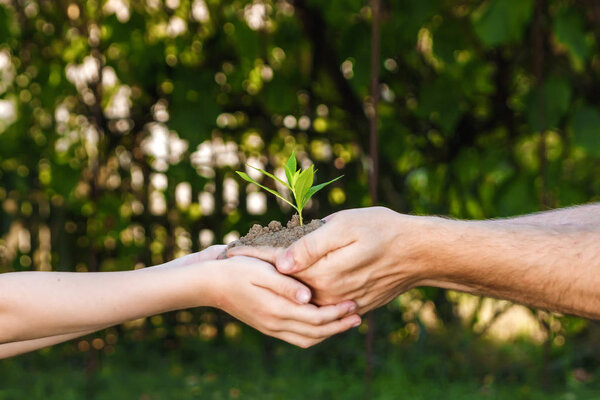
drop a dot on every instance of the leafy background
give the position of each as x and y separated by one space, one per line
122 123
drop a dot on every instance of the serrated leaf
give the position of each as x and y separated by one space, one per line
303 184
290 168
313 190
246 177
271 176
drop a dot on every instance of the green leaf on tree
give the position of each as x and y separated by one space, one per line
585 126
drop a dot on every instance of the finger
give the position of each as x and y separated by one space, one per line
310 248
283 286
211 253
323 331
311 314
265 253
295 339
331 216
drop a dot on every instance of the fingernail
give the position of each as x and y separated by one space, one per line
357 323
351 307
286 262
303 296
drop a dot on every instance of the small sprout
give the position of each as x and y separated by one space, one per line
298 181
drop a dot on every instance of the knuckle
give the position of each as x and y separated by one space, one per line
282 287
271 323
340 312
323 280
305 251
317 319
290 290
279 311
319 282
320 334
314 335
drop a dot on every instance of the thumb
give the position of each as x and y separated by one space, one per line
311 248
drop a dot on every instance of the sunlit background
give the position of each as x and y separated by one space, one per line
122 123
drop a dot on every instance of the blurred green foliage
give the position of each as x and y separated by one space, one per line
122 123
241 370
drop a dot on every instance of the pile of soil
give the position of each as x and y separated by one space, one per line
275 235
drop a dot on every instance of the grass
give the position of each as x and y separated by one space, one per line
261 368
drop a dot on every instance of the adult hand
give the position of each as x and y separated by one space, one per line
368 255
277 305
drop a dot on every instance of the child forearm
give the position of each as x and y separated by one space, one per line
42 304
38 309
25 346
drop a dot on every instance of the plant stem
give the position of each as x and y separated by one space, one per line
300 215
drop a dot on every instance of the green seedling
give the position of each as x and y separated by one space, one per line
299 182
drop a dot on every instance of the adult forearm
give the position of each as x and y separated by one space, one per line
554 267
41 304
371 255
574 216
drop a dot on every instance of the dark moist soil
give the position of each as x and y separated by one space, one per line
275 235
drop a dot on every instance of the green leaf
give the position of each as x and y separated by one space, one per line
295 177
247 178
517 197
569 28
556 97
303 184
5 24
193 117
271 176
500 22
315 189
585 125
290 169
439 101
64 179
279 94
447 39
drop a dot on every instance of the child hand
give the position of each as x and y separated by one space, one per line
209 254
277 305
